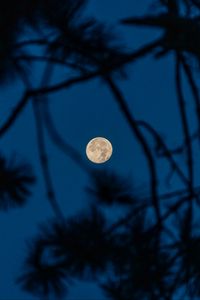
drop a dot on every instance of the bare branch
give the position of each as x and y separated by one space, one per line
193 86
184 122
15 113
44 161
141 140
167 152
60 142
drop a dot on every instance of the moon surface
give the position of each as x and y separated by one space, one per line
99 150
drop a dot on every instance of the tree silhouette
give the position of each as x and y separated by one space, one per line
15 181
42 278
150 248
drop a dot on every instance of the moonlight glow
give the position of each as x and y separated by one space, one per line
99 150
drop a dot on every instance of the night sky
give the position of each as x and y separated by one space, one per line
81 113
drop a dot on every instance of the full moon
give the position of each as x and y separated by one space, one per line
99 150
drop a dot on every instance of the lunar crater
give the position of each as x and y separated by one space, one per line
99 150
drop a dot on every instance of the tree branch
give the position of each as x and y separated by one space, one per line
184 122
167 152
44 161
41 142
193 86
70 82
15 113
61 143
141 140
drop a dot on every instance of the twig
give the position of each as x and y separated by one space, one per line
167 152
125 220
180 149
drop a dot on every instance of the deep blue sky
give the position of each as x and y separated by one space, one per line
150 94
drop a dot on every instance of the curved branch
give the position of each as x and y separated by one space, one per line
44 161
61 143
144 145
41 142
184 122
193 86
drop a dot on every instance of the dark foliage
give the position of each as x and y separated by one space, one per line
109 188
141 269
85 248
90 45
62 32
134 255
181 33
42 278
188 248
86 232
78 249
15 182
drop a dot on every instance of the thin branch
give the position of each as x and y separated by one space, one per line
179 193
15 113
129 57
42 147
44 161
184 122
53 60
186 133
41 142
70 82
167 152
193 86
182 193
180 149
142 141
66 148
125 220
38 92
101 72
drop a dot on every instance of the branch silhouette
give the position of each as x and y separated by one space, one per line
134 243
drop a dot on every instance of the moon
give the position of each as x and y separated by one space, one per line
99 150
